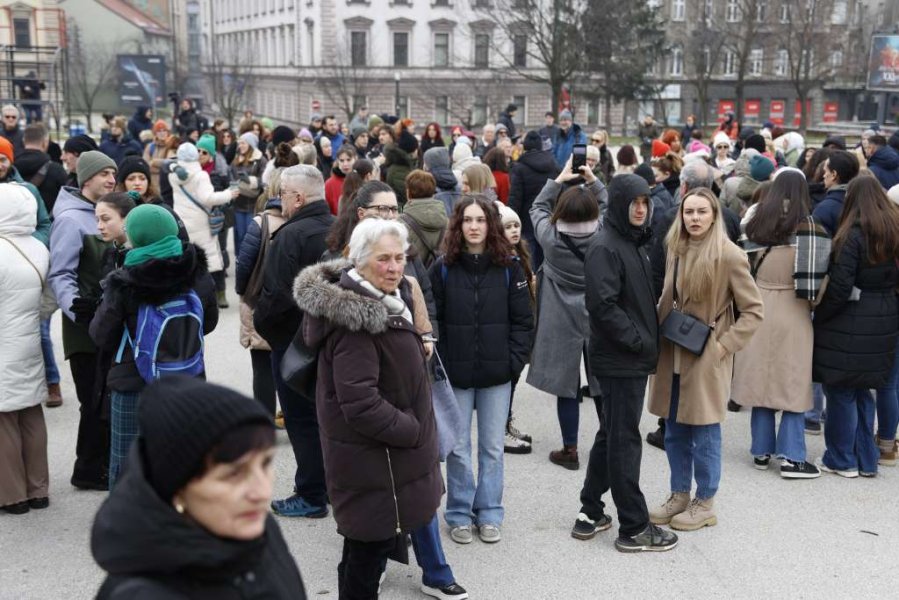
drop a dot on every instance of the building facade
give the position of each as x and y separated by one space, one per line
459 61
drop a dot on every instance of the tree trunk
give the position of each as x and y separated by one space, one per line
608 110
740 92
555 94
803 118
87 118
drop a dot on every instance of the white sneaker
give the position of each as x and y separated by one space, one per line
848 474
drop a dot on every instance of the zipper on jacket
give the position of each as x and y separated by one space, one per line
477 315
396 504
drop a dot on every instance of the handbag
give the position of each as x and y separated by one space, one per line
215 215
446 410
299 367
684 329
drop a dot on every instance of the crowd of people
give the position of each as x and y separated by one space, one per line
393 284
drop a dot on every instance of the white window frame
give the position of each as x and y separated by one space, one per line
678 10
756 61
781 62
732 11
449 47
676 62
729 64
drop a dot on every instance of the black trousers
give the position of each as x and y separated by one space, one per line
615 456
360 568
263 379
92 448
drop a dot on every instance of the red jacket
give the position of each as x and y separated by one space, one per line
333 191
502 186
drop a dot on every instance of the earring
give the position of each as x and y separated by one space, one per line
179 508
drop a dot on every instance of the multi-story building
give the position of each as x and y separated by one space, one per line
458 61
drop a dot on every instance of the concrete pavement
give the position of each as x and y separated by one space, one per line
825 538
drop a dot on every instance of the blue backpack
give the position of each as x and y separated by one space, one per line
169 338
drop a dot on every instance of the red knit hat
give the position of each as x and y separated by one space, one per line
659 148
160 125
6 148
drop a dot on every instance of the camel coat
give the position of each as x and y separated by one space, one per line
705 380
774 370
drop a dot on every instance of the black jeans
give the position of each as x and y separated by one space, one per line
361 567
92 447
615 456
263 379
301 423
219 278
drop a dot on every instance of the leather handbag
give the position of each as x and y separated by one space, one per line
299 367
684 329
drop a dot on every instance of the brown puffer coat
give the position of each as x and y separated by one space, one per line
373 400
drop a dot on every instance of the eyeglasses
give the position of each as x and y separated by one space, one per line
10 117
204 152
597 140
722 147
384 210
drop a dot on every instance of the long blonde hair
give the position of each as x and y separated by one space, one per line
698 281
480 177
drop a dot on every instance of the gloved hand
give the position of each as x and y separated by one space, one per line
84 309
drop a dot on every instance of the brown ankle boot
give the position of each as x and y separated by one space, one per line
54 395
566 457
699 514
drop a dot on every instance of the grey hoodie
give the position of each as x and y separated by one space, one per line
73 218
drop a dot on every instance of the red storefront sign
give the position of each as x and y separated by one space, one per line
753 110
725 106
831 110
777 112
316 105
797 111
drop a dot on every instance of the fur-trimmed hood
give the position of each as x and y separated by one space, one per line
329 298
155 281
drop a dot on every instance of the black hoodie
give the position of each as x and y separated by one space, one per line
153 282
29 162
151 551
526 181
624 329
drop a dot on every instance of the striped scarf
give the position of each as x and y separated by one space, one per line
813 246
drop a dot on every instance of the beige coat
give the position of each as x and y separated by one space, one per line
775 369
705 380
248 336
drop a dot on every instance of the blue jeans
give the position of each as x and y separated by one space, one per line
52 370
849 430
888 406
241 224
692 448
789 442
435 572
481 504
816 414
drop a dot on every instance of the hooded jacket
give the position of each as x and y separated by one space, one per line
373 400
828 211
430 217
564 142
526 181
30 162
400 164
42 232
153 282
334 188
139 122
624 328
188 561
884 164
196 219
463 158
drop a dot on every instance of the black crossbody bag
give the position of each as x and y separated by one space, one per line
684 329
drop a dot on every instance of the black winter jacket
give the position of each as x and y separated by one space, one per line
855 340
298 243
30 162
526 181
153 282
484 310
151 552
624 327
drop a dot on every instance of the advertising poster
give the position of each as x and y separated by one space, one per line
142 79
883 65
831 111
725 106
776 113
753 110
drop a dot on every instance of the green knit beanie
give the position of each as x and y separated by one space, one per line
149 223
90 163
207 143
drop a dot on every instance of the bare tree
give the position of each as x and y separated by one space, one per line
702 54
229 71
92 67
344 82
470 104
743 23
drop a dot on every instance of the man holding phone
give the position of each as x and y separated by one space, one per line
569 134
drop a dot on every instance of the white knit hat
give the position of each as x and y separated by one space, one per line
187 152
893 194
507 214
720 138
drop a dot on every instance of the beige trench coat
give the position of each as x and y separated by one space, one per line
248 336
705 380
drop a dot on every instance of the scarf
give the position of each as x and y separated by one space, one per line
393 302
167 247
813 245
582 229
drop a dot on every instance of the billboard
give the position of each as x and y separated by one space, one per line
883 64
141 79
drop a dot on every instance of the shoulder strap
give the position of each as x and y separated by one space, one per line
194 200
676 298
571 246
25 256
416 227
754 269
38 178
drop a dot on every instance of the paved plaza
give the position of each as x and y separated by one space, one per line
825 538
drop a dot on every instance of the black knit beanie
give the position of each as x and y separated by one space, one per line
80 144
533 141
645 171
181 419
282 133
407 142
132 164
756 142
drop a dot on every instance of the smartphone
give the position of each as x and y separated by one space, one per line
578 157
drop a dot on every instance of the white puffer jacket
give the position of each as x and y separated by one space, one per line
22 379
196 220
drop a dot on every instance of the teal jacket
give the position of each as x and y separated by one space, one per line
42 231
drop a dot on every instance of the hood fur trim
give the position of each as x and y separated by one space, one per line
318 293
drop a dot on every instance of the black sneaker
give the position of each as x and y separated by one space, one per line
586 528
651 539
453 590
798 470
812 427
96 485
733 406
19 508
656 438
39 503
761 462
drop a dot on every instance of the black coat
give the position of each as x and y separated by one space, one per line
624 326
373 400
526 181
153 282
30 162
855 341
151 552
484 310
298 243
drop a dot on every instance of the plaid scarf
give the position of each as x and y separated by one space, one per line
813 245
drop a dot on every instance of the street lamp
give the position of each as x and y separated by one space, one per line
396 80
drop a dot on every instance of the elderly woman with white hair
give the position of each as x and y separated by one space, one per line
373 399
